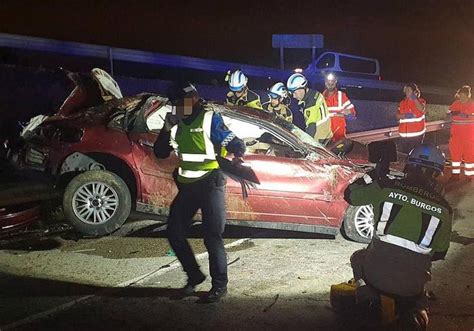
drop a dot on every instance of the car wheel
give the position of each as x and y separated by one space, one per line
359 223
97 202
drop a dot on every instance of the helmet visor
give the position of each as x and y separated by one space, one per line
237 89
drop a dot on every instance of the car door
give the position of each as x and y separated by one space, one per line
157 187
295 192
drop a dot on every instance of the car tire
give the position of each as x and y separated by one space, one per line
359 223
97 202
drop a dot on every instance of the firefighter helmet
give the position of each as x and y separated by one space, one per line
237 81
428 156
277 91
295 82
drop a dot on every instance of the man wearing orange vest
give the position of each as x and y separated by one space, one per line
461 143
339 107
411 116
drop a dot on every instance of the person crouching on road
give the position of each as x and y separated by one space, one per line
277 95
411 117
339 107
313 107
240 94
196 137
412 228
461 143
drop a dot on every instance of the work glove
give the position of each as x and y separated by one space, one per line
346 112
170 121
409 115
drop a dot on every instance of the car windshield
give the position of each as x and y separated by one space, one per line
304 137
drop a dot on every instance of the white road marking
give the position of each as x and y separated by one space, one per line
127 283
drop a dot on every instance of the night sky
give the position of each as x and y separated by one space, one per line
430 42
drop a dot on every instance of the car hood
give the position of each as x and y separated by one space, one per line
99 114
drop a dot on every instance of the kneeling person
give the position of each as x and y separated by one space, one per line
412 228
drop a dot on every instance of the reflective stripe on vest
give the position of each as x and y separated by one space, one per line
206 130
412 120
195 165
412 127
339 105
401 242
335 110
423 247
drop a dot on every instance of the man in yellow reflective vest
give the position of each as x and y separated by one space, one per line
197 135
313 107
240 94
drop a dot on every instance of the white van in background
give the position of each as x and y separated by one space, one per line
344 65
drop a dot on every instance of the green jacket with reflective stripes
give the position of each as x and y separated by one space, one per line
408 212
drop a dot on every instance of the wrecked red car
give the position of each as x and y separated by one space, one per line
103 158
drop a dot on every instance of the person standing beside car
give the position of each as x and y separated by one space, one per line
312 106
339 106
411 118
197 134
461 142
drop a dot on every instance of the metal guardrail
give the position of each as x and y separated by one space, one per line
366 137
177 61
122 54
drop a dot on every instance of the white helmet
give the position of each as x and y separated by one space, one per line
330 77
277 91
237 81
295 82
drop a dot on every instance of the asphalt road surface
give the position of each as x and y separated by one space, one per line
277 280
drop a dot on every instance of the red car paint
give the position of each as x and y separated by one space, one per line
297 192
16 217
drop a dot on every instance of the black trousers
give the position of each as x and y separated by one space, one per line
207 194
393 270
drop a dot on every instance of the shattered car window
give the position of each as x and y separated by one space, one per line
304 137
259 140
155 121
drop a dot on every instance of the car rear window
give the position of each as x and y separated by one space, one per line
352 64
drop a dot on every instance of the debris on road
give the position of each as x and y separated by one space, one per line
272 304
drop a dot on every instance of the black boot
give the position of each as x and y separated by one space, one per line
214 295
189 288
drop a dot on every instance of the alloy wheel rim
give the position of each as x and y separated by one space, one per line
364 221
95 203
